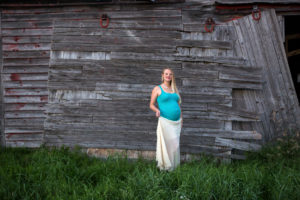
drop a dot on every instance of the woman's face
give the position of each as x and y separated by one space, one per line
167 75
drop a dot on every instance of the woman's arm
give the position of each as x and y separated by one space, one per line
154 96
181 115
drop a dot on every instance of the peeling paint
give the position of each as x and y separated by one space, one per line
80 55
75 95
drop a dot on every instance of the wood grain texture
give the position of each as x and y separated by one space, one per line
68 81
2 122
26 54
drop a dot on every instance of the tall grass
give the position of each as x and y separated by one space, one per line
63 174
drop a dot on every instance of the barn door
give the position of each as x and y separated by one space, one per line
260 42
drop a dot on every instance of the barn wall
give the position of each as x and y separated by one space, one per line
68 81
2 135
100 80
277 102
26 52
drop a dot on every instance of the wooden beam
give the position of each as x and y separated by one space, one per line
292 36
293 53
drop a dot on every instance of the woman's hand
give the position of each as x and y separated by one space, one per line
157 113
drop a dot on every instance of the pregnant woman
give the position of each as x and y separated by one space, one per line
169 121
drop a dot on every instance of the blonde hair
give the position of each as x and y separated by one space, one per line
173 82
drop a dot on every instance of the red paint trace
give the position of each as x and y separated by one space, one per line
8 91
16 38
44 98
20 105
13 47
15 77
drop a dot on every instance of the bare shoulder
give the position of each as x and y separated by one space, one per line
156 90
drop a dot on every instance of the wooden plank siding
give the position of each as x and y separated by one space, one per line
2 135
68 81
100 80
277 100
26 51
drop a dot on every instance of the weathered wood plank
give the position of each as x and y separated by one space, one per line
74 55
230 134
222 84
26 99
204 44
25 61
24 136
134 24
26 69
25 84
26 54
70 8
93 15
234 111
26 24
23 143
27 32
246 146
25 92
115 48
222 32
25 77
30 123
25 106
26 39
127 41
26 47
24 114
213 59
125 63
95 31
223 68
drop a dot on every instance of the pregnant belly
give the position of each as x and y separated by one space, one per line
171 113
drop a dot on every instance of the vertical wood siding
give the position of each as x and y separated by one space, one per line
277 101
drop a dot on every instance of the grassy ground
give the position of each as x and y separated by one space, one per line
64 174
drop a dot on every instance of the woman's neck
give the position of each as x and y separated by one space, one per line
168 84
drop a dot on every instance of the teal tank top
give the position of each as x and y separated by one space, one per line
168 105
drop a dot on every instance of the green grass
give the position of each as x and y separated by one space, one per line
63 174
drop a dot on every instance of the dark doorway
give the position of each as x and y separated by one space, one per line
292 48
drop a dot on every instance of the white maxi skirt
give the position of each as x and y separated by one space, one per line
167 146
